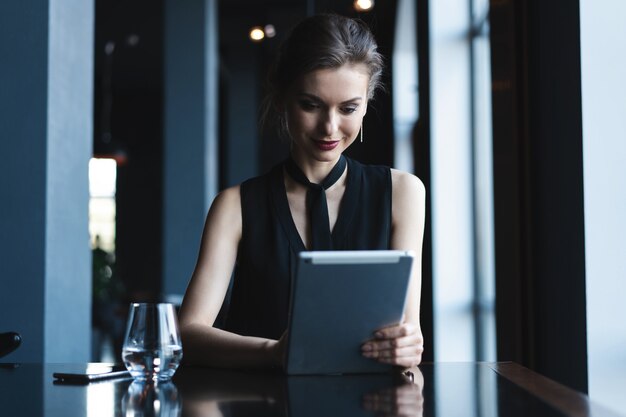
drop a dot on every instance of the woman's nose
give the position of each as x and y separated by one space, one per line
331 123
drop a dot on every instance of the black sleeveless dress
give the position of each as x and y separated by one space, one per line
270 242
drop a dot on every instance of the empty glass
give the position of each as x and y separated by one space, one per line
152 349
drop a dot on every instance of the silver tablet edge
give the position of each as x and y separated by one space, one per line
355 257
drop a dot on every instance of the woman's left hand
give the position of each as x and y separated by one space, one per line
400 345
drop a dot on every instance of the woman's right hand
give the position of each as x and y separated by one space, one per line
400 345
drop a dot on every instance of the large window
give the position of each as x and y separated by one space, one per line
405 85
462 195
461 160
603 57
462 192
102 186
106 287
484 257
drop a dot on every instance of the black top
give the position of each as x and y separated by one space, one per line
269 244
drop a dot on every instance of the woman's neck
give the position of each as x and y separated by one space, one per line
315 171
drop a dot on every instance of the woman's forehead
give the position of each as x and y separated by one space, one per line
335 84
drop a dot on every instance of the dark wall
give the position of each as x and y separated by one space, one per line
128 126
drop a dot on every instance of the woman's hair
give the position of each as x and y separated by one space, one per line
318 42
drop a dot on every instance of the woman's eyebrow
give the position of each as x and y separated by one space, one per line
316 98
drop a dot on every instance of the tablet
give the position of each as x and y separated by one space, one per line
338 300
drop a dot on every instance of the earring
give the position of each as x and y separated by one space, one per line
361 132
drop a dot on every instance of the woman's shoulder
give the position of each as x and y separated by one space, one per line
227 199
408 198
400 180
407 185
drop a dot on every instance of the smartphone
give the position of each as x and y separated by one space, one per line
91 372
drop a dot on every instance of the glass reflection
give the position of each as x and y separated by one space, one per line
148 399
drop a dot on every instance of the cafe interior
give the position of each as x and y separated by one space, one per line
122 120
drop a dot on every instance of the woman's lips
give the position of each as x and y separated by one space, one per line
326 145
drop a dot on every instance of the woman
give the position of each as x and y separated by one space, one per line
326 72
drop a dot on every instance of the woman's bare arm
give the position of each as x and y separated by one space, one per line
402 345
408 215
202 343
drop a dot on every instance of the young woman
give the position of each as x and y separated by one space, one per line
326 72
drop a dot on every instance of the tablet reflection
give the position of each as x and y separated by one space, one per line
363 395
213 393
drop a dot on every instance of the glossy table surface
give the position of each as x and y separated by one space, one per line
439 389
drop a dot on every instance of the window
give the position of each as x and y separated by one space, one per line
603 58
462 192
102 179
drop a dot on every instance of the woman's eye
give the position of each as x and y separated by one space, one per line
308 105
349 110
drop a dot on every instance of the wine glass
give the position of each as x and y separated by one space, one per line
152 348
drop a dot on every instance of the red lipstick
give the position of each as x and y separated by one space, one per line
326 145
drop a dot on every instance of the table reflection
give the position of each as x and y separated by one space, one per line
442 389
405 400
225 393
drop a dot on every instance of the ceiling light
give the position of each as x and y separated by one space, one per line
363 5
257 34
270 31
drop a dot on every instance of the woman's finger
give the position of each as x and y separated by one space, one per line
403 361
396 347
377 344
392 332
407 351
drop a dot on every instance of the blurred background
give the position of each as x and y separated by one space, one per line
121 120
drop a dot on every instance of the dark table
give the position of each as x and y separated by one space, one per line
439 389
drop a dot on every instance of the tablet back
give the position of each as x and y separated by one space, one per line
338 300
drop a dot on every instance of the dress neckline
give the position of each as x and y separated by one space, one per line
347 207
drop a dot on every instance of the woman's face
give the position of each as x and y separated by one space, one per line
324 110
